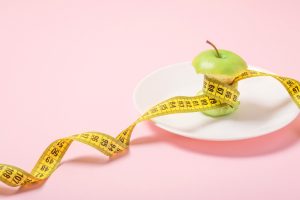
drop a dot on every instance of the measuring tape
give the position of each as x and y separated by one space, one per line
215 95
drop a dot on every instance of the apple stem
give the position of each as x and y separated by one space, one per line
218 54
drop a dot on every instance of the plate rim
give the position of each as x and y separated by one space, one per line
140 82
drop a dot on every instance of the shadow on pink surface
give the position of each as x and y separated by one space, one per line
267 144
82 160
5 191
259 146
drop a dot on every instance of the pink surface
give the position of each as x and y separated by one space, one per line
71 66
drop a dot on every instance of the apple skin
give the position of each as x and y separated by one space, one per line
229 64
224 69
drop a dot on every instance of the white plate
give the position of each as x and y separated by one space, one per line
265 105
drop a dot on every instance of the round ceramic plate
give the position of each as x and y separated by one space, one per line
265 105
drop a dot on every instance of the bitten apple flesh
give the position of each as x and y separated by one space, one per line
223 66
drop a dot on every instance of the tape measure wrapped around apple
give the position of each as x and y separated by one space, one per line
219 96
223 66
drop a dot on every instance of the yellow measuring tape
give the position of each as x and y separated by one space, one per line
215 94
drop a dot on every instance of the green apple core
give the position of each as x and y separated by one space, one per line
223 66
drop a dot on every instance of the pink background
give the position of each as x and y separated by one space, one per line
64 64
